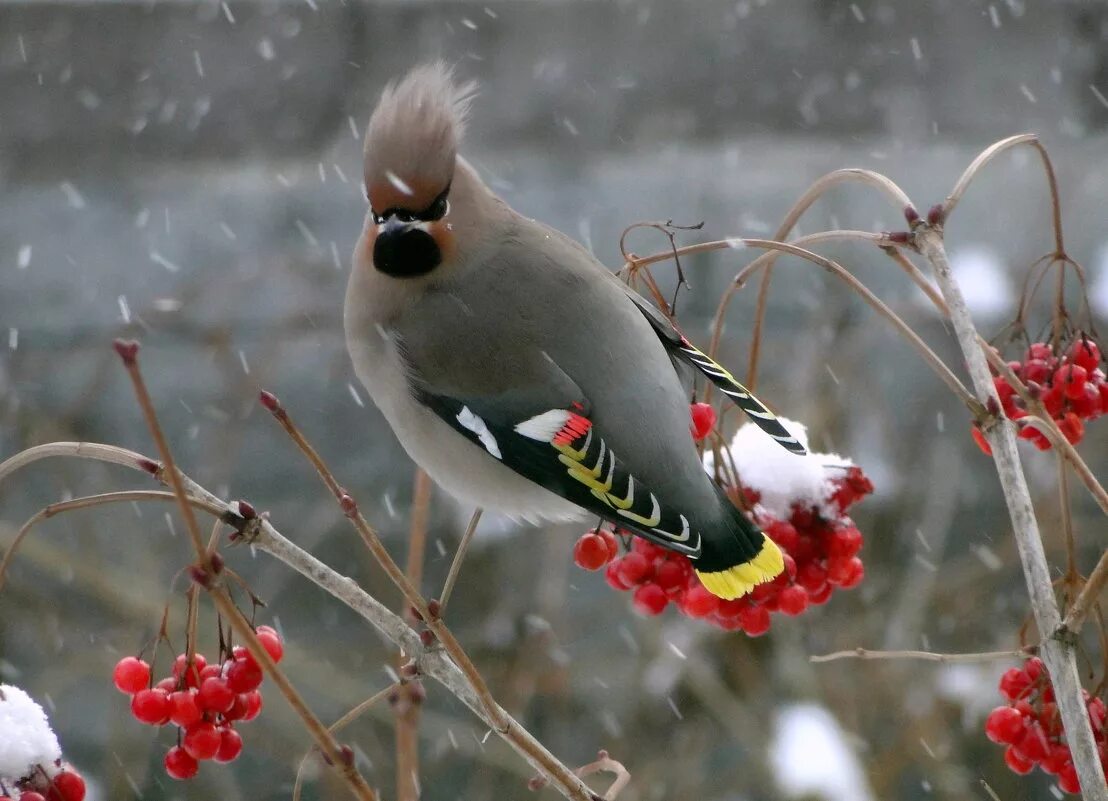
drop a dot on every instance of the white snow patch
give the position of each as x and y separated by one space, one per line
811 757
779 477
26 739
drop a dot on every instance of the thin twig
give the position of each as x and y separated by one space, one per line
1087 598
336 727
83 503
926 656
459 557
602 764
407 705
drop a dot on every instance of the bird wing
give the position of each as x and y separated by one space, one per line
527 413
682 349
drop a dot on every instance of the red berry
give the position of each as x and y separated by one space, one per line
764 592
670 576
131 675
179 764
1039 350
1052 401
1033 744
1004 390
66 786
1057 759
1071 378
1097 715
215 695
845 542
703 420
614 576
649 599
1016 762
1072 428
192 674
169 684
244 675
982 443
755 620
1034 668
1004 725
793 600
784 534
230 745
151 706
730 610
811 576
839 569
1037 370
271 641
1067 779
790 568
183 708
201 740
609 540
820 596
1015 683
634 568
252 701
1084 353
1088 405
591 552
698 602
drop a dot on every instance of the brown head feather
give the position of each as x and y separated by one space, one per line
412 139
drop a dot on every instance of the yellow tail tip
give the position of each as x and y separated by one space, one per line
737 581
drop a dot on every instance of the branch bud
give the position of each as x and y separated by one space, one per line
127 349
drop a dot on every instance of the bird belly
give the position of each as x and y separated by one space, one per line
461 467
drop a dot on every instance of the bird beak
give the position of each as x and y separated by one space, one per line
392 226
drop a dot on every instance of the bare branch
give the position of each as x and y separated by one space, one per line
926 656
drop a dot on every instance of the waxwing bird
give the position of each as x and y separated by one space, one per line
515 369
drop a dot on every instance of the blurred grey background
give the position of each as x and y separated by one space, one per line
189 174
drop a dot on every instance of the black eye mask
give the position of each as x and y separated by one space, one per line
436 211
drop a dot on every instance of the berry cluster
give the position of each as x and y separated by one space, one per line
820 544
1031 726
63 783
1071 387
204 701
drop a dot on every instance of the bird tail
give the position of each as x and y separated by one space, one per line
738 557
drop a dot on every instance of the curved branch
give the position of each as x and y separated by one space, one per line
990 153
55 509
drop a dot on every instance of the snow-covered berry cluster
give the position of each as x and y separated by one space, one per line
1070 385
31 766
799 501
203 700
1030 725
